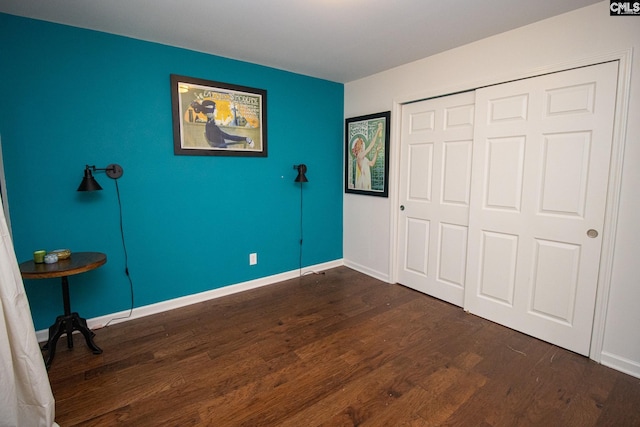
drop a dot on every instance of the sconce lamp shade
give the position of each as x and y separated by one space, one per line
89 183
302 170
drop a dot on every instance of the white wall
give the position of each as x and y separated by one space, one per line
584 36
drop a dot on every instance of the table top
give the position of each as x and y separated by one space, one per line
79 262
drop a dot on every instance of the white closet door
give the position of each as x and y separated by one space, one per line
435 179
541 157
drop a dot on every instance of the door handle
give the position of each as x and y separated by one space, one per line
401 207
592 233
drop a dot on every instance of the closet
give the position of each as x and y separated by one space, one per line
503 196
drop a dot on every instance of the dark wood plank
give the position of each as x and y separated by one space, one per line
339 349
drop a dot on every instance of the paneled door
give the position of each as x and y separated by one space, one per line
541 156
435 179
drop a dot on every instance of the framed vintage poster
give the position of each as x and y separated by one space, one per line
218 119
367 154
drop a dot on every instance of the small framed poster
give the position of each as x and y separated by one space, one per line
367 154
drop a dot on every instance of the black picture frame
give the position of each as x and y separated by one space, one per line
366 169
218 119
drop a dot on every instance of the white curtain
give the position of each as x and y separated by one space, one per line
25 393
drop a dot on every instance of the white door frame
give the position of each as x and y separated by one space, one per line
624 57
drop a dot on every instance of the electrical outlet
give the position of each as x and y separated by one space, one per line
253 259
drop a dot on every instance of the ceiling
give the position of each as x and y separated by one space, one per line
337 40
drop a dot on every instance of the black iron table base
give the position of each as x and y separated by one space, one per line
66 324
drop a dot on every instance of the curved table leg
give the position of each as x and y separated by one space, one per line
80 324
55 332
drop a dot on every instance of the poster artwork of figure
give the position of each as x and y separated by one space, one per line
365 157
215 136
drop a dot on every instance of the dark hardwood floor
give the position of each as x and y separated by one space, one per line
339 349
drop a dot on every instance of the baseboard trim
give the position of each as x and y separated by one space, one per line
620 364
147 310
368 271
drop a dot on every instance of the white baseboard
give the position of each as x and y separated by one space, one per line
123 316
620 364
368 271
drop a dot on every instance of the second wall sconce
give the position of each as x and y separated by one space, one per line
302 170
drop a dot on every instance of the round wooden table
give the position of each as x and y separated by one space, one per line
79 262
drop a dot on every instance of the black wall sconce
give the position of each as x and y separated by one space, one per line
302 170
89 183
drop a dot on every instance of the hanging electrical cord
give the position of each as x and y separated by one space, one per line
302 170
89 183
126 260
301 232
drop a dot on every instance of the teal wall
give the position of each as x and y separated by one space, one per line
70 97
